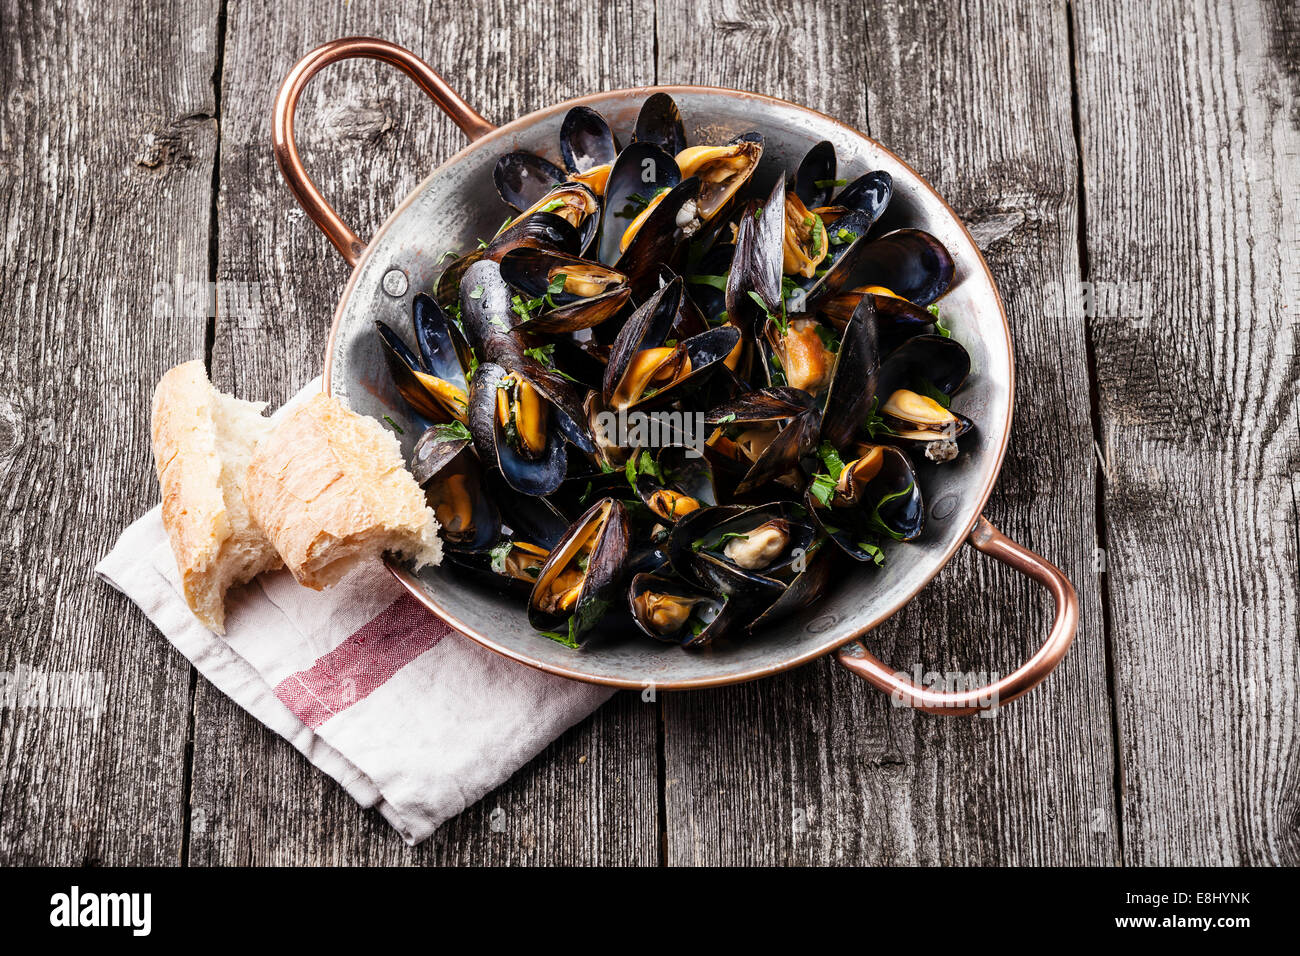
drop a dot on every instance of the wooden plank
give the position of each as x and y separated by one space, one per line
813 767
105 196
1192 213
368 138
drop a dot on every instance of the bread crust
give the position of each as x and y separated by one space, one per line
212 538
330 487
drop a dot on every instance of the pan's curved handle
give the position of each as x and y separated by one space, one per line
286 104
988 539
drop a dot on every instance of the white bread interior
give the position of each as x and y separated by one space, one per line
330 489
203 441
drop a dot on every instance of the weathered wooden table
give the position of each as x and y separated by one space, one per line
1149 150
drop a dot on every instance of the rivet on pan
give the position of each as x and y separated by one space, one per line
395 282
821 624
943 507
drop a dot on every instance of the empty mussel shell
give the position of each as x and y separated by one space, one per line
814 180
854 378
522 179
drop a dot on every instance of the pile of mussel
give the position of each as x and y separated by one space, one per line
664 276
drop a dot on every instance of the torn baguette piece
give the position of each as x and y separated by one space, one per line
330 489
203 441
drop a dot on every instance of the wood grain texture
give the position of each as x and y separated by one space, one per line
814 767
368 137
1192 201
105 193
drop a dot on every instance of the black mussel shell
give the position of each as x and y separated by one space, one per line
527 517
935 360
788 412
668 609
899 320
429 395
522 179
530 271
525 474
485 310
808 585
910 263
854 377
606 559
640 174
888 504
677 485
661 238
649 328
717 197
563 398
869 193
443 349
445 466
847 238
756 265
575 203
660 122
586 140
698 548
540 230
814 181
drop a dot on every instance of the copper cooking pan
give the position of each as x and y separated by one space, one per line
458 203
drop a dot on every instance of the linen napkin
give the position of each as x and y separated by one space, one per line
409 716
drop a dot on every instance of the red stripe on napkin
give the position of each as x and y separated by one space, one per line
362 663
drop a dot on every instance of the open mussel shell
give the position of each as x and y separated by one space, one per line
910 263
444 352
898 319
762 435
723 171
586 140
446 467
660 238
668 609
854 376
526 449
677 485
807 586
660 122
748 552
436 398
814 180
645 370
559 393
588 293
575 203
756 265
540 230
875 497
935 360
581 576
522 179
641 177
846 238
